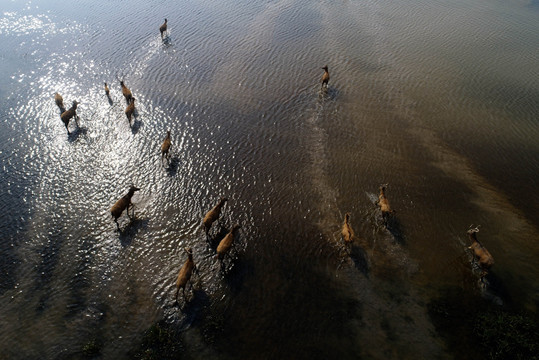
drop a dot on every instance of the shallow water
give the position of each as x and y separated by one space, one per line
437 99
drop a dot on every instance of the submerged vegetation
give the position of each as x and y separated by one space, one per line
91 349
161 341
475 328
507 335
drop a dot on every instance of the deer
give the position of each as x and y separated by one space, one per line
68 114
165 147
226 243
213 215
347 232
130 110
59 102
163 28
126 92
325 77
123 204
480 252
383 203
184 276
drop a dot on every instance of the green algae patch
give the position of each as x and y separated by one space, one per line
161 341
507 335
475 328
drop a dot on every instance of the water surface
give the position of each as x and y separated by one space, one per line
438 99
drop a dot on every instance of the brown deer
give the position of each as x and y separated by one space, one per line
325 77
480 252
184 276
122 204
383 203
59 102
126 92
163 28
69 114
130 109
226 243
213 215
347 232
165 147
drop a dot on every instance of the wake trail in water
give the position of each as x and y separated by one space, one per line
319 163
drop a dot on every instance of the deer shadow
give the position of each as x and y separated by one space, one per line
137 124
328 93
128 233
360 259
173 165
394 227
167 42
213 241
74 135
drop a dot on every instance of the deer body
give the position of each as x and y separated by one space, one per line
383 203
130 109
325 76
347 232
122 204
184 276
165 147
480 252
163 28
69 114
226 243
213 215
59 102
126 92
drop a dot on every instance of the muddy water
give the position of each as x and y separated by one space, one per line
437 99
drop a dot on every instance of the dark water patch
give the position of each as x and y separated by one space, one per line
453 314
80 282
192 308
493 289
330 331
236 272
514 161
46 268
8 266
